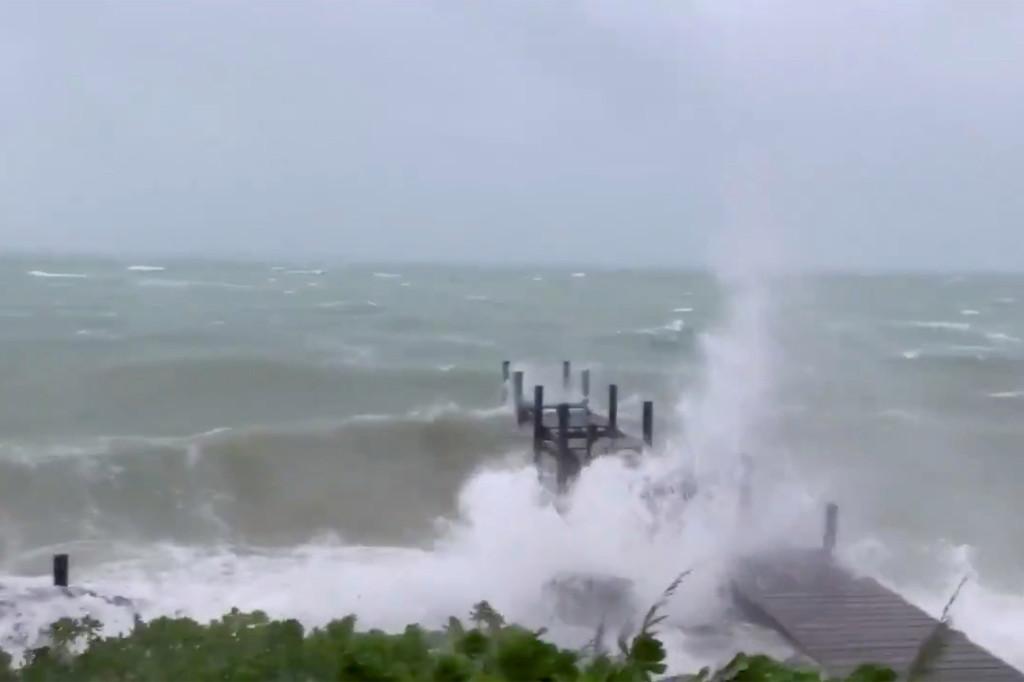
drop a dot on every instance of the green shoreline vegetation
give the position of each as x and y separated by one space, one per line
251 647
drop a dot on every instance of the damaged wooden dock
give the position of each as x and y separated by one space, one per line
841 621
571 432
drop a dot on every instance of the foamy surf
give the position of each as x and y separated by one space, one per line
505 544
145 268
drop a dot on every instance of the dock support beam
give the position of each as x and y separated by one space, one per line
538 421
585 382
517 397
564 454
649 422
60 570
591 439
613 410
566 374
831 527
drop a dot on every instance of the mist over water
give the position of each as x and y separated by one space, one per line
319 439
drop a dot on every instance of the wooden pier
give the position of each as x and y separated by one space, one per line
840 621
571 432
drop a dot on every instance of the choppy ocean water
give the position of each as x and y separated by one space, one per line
314 439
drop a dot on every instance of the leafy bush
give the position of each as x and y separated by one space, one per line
250 647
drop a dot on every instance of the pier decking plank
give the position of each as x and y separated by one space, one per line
841 621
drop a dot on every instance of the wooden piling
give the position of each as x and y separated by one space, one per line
591 439
564 454
585 383
538 421
60 570
566 374
613 410
517 397
505 368
649 422
831 527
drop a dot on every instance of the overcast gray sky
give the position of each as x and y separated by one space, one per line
842 134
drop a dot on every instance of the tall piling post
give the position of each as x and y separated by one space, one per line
649 422
613 410
831 527
564 470
566 374
506 367
585 383
517 397
538 422
60 570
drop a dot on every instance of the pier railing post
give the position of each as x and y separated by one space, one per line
538 422
564 467
517 397
613 410
649 422
566 374
506 367
831 527
60 570
585 383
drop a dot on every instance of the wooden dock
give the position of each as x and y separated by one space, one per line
571 432
840 621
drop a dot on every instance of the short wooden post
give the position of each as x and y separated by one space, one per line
517 397
538 421
648 422
505 369
60 570
564 472
585 383
831 527
613 410
566 374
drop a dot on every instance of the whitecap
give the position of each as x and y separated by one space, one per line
911 354
538 278
405 284
1007 395
579 275
970 312
145 268
56 275
1002 338
675 326
306 272
95 334
387 275
937 324
682 310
